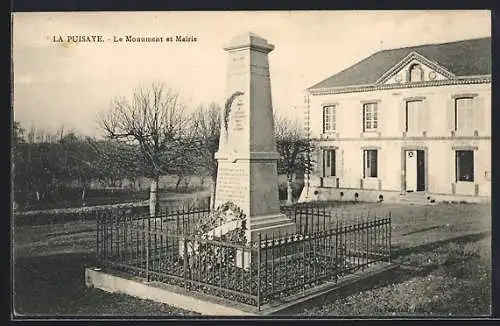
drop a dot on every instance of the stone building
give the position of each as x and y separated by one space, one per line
404 124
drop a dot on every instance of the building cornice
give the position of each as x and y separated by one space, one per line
370 88
408 138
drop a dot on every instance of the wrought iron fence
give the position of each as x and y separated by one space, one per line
309 218
165 249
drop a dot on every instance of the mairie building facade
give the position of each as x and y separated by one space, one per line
407 123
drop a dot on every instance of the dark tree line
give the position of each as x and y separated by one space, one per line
48 168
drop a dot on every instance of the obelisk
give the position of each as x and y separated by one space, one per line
247 157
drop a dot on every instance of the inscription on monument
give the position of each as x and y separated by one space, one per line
231 183
239 115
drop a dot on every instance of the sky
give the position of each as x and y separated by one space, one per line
56 84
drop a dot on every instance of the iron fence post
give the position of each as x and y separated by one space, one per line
148 243
368 237
185 260
98 221
258 272
105 236
390 236
111 235
324 219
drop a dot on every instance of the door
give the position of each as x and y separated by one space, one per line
420 170
329 163
411 170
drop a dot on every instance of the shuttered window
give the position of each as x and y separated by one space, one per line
414 116
370 163
329 118
370 116
464 114
329 163
465 165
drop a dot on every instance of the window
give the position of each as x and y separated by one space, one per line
464 114
416 73
413 113
329 163
329 119
370 169
465 165
370 116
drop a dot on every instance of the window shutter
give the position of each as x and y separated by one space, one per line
366 164
380 164
450 114
402 116
425 116
362 119
416 116
339 164
363 163
479 114
323 120
462 116
374 163
335 111
318 171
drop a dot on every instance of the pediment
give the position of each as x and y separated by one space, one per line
425 71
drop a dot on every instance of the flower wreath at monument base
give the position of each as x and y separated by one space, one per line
206 255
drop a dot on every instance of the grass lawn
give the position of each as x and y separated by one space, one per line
444 249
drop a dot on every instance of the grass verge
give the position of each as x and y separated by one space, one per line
54 286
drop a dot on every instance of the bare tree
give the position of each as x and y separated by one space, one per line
154 119
207 122
292 147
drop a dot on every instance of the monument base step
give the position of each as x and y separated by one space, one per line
276 225
261 219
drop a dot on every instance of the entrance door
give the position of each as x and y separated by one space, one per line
415 170
411 171
420 170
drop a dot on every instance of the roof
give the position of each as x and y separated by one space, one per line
462 58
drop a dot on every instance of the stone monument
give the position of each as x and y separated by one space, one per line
247 157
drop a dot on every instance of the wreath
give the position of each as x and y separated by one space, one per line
223 214
207 256
227 107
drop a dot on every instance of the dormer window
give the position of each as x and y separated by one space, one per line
416 73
